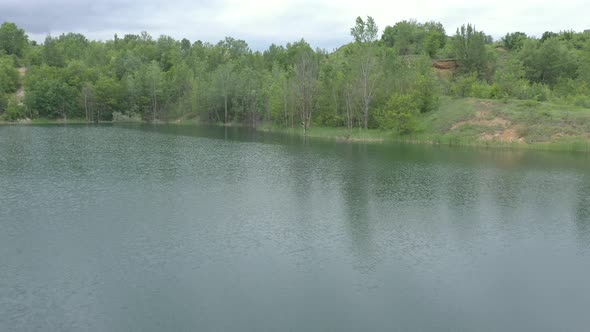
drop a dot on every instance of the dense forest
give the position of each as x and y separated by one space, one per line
375 81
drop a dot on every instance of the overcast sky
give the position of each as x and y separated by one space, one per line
323 23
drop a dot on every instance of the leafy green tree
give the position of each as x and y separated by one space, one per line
435 39
412 37
399 113
366 64
406 37
469 45
13 41
49 96
305 81
509 79
224 81
547 62
153 77
514 41
547 35
107 91
53 53
364 32
8 75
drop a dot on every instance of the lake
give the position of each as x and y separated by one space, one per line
184 228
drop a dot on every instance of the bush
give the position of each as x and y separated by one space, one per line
8 75
399 113
3 102
470 86
13 111
582 101
426 93
131 117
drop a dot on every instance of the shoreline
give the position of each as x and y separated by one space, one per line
369 136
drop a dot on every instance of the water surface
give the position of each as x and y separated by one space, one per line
180 228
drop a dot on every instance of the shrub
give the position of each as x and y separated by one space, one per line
399 113
131 117
14 111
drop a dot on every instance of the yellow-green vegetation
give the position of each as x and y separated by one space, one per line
481 122
506 123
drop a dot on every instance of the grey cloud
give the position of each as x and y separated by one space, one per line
41 17
323 23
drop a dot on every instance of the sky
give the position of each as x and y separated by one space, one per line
323 23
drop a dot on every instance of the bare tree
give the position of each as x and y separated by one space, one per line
365 34
223 77
306 70
368 75
349 104
88 96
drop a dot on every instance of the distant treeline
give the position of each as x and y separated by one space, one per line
373 81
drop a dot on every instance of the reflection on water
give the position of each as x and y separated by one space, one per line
150 228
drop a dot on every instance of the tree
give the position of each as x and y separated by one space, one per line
514 41
411 37
469 46
399 113
368 75
435 39
547 62
52 53
153 76
13 41
48 95
106 93
88 99
223 77
366 63
8 75
305 81
364 32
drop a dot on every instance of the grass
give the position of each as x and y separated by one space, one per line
485 123
505 124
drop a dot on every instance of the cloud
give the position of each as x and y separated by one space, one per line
323 23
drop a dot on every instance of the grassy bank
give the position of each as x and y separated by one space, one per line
486 123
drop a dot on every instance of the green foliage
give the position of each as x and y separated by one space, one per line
411 37
130 117
548 61
470 49
8 75
13 111
364 84
49 95
514 41
364 32
426 93
399 113
3 102
13 41
509 79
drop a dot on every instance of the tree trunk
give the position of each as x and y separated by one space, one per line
225 102
86 106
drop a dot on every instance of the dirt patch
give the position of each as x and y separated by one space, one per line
480 120
445 64
20 92
498 128
508 135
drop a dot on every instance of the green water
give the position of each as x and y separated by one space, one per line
179 228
